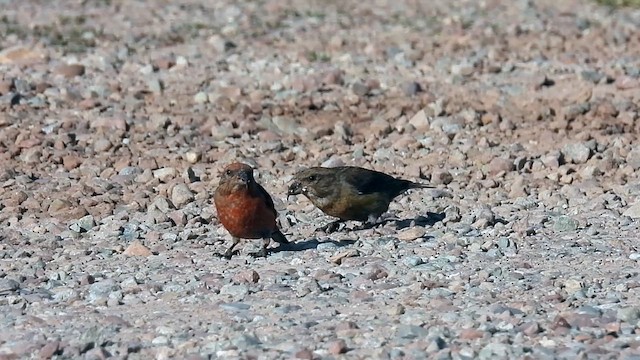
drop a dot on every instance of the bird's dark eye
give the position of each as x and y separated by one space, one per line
311 178
228 172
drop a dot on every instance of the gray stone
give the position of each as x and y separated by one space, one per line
8 286
238 292
633 211
412 261
164 174
130 170
577 153
102 289
63 293
181 195
565 223
84 224
629 314
411 331
130 231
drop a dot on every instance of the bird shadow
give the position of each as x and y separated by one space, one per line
429 220
310 244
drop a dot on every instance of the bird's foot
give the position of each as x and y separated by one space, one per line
227 254
365 226
330 227
260 253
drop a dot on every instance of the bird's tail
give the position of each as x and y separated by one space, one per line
278 237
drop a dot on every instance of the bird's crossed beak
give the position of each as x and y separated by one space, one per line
244 177
296 188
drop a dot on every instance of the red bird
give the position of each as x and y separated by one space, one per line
245 209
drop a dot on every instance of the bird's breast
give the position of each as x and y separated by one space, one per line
245 216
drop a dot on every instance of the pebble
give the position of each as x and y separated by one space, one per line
411 233
84 224
577 153
164 174
633 211
629 314
412 261
8 286
565 223
102 145
70 70
181 195
101 289
137 249
337 347
248 277
411 88
420 121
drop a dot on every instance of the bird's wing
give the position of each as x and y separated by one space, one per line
267 199
366 181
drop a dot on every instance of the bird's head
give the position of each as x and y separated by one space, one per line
313 182
236 176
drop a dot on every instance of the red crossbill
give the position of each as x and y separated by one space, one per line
349 193
245 209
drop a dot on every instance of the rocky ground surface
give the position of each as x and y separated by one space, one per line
117 116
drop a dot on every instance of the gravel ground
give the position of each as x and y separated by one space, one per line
117 116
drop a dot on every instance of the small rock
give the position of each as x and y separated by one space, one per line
592 75
236 291
246 276
70 70
84 224
471 334
411 88
102 289
573 285
412 233
21 55
412 261
339 257
498 165
577 153
629 314
633 158
164 174
70 162
565 223
155 86
411 331
130 231
8 285
181 195
137 249
633 211
304 354
359 88
338 347
201 98
440 176
192 157
420 120
49 350
102 145
162 204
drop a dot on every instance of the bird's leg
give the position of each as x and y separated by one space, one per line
330 227
262 252
229 253
371 222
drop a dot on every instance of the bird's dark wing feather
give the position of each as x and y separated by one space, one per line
367 181
267 198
